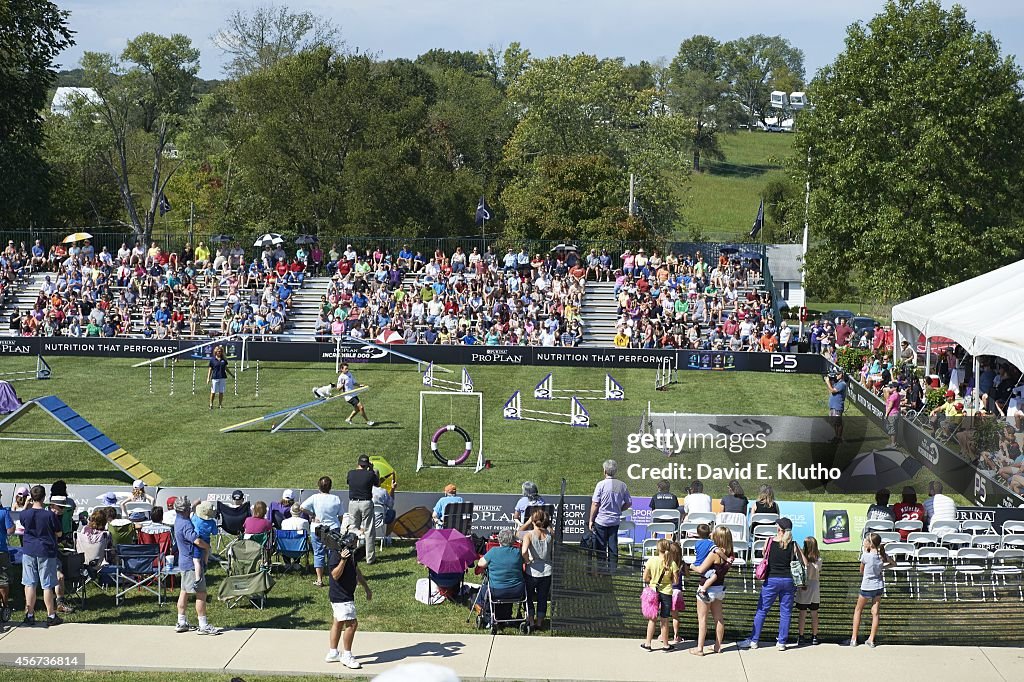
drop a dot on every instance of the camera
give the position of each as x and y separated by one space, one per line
336 540
834 374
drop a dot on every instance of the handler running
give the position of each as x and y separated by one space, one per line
346 383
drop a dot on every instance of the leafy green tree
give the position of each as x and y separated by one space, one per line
784 210
759 64
699 89
460 60
32 34
141 108
916 154
265 36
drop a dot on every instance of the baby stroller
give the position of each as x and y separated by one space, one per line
497 612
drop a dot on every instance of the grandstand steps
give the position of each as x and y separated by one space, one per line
599 314
23 299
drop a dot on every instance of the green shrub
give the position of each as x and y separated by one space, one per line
852 359
933 398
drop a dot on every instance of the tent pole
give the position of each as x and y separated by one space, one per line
927 355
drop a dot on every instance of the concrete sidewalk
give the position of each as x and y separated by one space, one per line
505 657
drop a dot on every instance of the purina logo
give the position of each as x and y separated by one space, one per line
929 449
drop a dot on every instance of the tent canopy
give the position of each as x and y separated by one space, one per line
982 314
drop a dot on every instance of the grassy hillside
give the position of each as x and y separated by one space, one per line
722 200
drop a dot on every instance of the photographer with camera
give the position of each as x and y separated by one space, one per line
837 386
344 576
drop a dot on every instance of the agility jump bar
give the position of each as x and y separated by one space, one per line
290 413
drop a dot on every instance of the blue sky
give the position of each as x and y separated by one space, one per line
634 29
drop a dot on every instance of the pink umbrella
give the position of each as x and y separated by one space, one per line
445 551
389 336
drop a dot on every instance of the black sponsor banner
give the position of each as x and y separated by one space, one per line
997 516
870 404
353 351
962 476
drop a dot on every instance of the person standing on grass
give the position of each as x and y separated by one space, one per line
190 547
6 528
873 562
809 596
39 557
326 510
611 497
360 502
344 576
217 376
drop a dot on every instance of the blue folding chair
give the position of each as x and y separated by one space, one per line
292 544
139 567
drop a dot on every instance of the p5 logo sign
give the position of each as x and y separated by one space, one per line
980 489
779 362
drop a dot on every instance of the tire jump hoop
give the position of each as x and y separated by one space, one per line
434 448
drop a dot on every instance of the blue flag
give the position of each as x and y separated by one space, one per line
482 212
163 204
758 221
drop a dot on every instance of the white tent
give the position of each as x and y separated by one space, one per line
985 314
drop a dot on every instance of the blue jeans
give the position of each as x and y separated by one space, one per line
784 589
607 539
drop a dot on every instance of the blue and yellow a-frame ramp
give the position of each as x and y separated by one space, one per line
289 413
83 432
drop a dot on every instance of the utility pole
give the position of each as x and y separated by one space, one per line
631 199
803 256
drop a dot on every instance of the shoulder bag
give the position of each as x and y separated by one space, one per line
761 572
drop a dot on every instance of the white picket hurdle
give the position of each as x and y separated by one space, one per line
546 390
465 385
665 374
42 371
577 415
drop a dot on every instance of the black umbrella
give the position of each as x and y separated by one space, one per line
870 471
306 239
221 239
728 249
558 247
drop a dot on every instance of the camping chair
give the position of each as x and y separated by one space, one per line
292 544
459 515
248 575
76 575
139 566
122 533
231 521
380 527
165 541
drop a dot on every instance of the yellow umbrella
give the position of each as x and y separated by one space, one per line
77 237
388 477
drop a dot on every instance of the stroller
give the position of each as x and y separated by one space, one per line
495 613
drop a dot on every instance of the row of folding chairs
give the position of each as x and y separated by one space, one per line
976 567
942 527
954 541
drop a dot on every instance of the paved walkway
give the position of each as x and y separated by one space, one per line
505 657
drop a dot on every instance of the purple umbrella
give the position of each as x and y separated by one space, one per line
445 551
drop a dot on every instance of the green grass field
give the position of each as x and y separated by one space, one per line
179 438
722 200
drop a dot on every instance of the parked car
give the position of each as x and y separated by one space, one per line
841 314
861 324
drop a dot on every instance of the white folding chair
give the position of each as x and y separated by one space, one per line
701 517
626 536
1013 526
909 525
922 539
878 526
976 527
1013 540
649 548
903 554
969 563
989 541
768 531
661 530
380 529
732 519
742 549
888 536
1007 563
763 518
665 516
932 562
688 530
944 526
739 531
955 541
139 506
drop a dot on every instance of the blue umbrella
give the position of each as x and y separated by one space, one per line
751 254
728 249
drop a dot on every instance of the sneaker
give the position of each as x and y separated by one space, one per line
781 646
349 422
208 630
871 644
350 661
370 423
747 644
30 620
332 658
850 643
64 607
53 620
800 640
814 641
703 596
183 627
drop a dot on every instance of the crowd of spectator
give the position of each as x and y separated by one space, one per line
151 292
468 298
685 301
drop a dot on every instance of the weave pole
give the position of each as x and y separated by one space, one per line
173 363
193 377
235 375
151 379
257 378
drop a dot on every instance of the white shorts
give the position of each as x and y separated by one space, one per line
218 385
716 593
344 611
